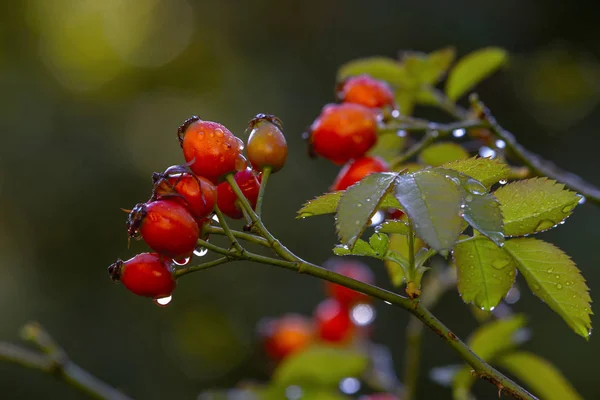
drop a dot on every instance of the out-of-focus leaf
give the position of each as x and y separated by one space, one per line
359 203
388 146
485 170
472 69
541 376
485 272
534 205
383 68
397 245
433 203
443 152
554 278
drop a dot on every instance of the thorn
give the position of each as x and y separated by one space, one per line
125 210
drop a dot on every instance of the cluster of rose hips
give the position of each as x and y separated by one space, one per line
184 198
345 132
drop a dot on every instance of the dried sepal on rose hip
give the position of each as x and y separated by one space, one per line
266 145
352 269
332 321
367 91
355 170
166 226
343 132
177 183
146 274
286 335
226 197
209 148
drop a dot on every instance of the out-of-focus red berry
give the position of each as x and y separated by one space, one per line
355 170
367 91
286 335
352 269
210 148
394 213
198 194
343 131
226 198
332 321
166 226
146 274
266 145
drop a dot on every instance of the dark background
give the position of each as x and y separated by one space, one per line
91 93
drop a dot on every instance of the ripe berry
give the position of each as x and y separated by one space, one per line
367 91
198 194
146 274
343 131
394 213
226 197
210 148
266 145
352 269
286 335
166 226
357 169
332 321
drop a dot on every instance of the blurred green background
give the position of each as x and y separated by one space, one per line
91 94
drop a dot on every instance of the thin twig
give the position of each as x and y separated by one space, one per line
266 172
209 264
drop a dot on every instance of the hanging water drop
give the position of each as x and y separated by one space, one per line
163 301
200 251
503 181
185 261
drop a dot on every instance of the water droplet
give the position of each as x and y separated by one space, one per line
468 198
535 286
550 270
568 283
240 143
395 113
500 263
219 132
368 200
557 276
581 199
503 181
401 133
500 144
544 225
200 135
358 204
215 218
185 261
457 133
200 251
163 301
486 152
240 162
474 187
222 159
434 134
357 222
387 302
559 286
569 208
362 314
349 385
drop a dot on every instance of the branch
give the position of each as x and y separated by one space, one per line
54 361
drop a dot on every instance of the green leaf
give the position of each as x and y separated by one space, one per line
393 226
359 203
534 205
361 248
442 153
379 243
539 375
383 68
437 64
433 203
485 272
320 366
483 213
554 278
388 146
397 258
485 170
324 204
472 69
405 99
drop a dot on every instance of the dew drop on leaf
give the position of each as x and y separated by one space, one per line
559 286
544 225
500 263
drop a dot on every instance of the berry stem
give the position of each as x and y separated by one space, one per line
238 247
209 264
266 172
411 249
215 230
54 361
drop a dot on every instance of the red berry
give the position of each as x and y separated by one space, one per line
146 274
332 321
226 197
343 131
210 148
166 226
352 269
286 335
367 91
198 194
355 170
394 213
266 145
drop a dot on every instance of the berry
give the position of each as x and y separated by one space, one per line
266 145
166 226
286 335
352 269
355 170
226 197
210 148
198 194
146 274
343 131
332 321
367 91
394 213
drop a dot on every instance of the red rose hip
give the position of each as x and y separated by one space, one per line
367 91
332 321
146 274
352 269
210 148
266 145
343 131
357 169
286 335
166 226
226 197
198 194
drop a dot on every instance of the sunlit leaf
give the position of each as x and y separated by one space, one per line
320 366
379 243
554 278
383 68
393 226
486 170
472 69
359 203
534 205
485 272
361 248
539 375
328 203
